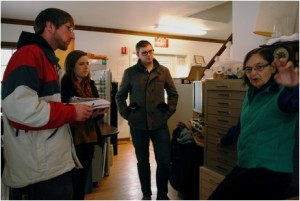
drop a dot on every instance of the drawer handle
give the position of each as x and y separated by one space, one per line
221 168
213 182
221 134
223 112
222 160
222 86
222 120
223 95
223 103
222 151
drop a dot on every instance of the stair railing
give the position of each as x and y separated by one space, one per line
221 50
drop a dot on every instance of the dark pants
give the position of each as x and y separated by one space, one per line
58 188
85 153
252 184
162 149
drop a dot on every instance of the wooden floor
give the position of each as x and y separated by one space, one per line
123 182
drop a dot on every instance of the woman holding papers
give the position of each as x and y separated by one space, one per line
77 83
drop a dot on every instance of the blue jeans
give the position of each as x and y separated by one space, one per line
85 153
162 149
57 188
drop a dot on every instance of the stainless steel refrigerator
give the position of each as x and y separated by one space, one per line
101 74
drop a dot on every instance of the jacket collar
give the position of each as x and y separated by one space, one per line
143 69
271 85
27 38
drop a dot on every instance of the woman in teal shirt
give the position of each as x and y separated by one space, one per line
266 130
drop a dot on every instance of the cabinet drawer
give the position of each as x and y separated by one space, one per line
209 181
225 95
225 154
220 161
221 120
221 155
225 151
204 194
215 133
221 168
207 189
208 174
225 85
232 112
225 103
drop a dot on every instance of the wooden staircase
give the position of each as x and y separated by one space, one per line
221 50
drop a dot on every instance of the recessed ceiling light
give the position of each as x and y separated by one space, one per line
180 29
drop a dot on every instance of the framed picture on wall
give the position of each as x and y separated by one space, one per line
199 60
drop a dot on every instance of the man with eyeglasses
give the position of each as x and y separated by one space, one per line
38 148
147 115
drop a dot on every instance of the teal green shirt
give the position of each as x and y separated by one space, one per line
267 134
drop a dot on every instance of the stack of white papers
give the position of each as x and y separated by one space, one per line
94 102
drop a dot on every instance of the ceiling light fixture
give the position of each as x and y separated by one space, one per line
277 18
180 29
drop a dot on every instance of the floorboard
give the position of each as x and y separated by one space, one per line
123 182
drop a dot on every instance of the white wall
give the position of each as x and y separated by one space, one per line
110 45
243 20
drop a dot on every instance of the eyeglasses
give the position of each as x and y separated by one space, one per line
150 52
70 28
257 68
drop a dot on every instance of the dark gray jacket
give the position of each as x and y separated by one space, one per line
147 108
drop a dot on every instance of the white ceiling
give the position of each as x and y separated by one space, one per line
141 16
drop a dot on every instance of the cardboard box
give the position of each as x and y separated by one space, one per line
196 73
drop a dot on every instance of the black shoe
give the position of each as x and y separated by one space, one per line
163 198
148 197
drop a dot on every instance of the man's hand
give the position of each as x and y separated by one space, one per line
83 112
97 112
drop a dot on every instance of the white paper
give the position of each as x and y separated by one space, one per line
94 102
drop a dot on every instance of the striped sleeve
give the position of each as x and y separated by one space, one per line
30 92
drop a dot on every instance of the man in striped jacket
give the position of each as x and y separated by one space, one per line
38 148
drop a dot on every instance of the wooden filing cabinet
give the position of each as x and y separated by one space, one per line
209 180
223 101
217 158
